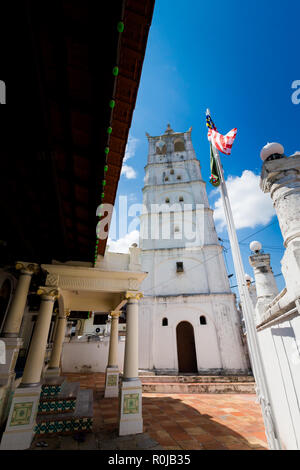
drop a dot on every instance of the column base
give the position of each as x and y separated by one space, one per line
12 347
21 422
7 373
111 382
52 372
131 418
8 386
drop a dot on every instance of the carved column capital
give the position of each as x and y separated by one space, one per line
67 312
129 295
48 293
115 313
27 268
62 315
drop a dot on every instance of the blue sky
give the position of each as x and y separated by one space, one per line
240 60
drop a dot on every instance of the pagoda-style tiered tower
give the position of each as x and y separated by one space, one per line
188 320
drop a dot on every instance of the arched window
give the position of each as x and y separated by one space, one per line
179 145
161 147
203 320
167 200
165 322
181 199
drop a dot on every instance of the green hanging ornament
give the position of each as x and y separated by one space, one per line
120 26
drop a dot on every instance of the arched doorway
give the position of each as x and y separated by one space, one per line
186 350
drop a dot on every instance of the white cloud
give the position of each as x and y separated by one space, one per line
128 172
250 206
122 245
130 148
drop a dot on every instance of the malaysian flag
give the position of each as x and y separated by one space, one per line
222 142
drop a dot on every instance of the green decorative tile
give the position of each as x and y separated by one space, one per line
131 403
112 380
57 405
50 390
64 426
21 414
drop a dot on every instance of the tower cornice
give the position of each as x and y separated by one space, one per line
177 183
171 162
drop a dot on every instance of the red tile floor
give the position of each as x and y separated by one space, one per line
175 421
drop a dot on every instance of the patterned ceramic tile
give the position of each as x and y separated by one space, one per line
131 403
112 380
21 414
57 406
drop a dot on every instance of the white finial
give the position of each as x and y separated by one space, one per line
255 246
271 149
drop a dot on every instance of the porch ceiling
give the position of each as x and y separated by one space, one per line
58 74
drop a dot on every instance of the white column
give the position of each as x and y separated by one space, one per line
54 363
37 350
112 369
15 314
266 287
10 333
131 419
21 421
131 369
281 178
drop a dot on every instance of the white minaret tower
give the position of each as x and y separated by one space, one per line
189 322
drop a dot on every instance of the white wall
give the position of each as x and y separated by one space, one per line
218 343
280 351
80 356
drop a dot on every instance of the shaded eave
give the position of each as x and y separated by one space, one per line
54 127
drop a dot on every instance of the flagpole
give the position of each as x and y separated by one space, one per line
248 313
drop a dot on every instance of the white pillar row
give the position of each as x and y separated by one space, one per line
35 359
10 334
21 420
112 369
131 419
54 363
15 314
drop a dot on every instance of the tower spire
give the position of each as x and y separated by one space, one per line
169 130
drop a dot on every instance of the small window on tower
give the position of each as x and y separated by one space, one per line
179 266
166 178
181 199
179 145
179 177
172 172
167 200
165 322
203 320
176 229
